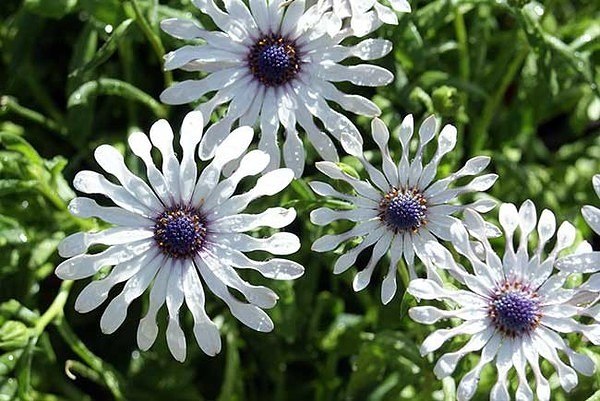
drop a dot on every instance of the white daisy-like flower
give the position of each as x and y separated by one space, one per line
275 64
401 207
183 231
366 15
591 214
513 307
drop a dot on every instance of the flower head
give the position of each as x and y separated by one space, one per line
275 64
366 15
401 207
179 233
513 307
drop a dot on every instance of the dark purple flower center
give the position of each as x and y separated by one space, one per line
274 60
180 232
515 310
403 210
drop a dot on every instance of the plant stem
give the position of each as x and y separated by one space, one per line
480 130
10 104
109 376
463 45
55 310
153 38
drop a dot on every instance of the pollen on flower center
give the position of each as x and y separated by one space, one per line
180 232
515 309
274 60
403 210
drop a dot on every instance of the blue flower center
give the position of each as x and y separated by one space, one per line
403 210
274 60
180 232
515 310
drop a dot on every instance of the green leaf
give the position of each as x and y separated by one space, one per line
18 144
8 361
13 186
8 389
50 8
11 231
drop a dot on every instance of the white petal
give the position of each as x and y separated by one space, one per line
447 362
362 74
468 384
278 244
148 329
230 149
389 285
591 215
83 266
363 277
436 339
78 243
112 162
582 263
91 182
251 164
260 296
162 136
191 133
345 261
96 292
115 313
250 315
174 300
141 147
86 207
275 217
205 331
269 184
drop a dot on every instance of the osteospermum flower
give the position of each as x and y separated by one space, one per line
513 307
402 206
181 232
591 214
366 15
274 63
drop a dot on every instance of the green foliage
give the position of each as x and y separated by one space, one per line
519 79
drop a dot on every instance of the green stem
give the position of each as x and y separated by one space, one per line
39 92
25 362
10 105
480 130
404 275
463 46
154 39
109 376
55 310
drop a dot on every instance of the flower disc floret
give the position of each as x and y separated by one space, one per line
274 60
403 211
180 232
515 310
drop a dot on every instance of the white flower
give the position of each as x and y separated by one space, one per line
181 228
274 63
591 214
367 15
513 307
401 208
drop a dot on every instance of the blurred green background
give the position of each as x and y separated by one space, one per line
520 83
